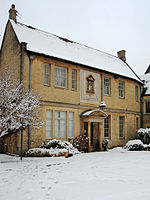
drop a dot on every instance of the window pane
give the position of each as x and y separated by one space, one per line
147 104
62 114
70 115
57 114
48 124
107 127
137 123
47 74
121 126
62 129
107 86
121 89
71 124
60 124
48 114
57 128
74 74
71 128
136 93
60 76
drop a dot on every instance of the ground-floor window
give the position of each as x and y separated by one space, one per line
71 125
137 123
147 106
121 126
60 124
107 127
48 124
63 123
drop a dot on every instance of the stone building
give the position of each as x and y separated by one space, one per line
146 99
84 90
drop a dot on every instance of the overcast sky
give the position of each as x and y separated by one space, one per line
107 25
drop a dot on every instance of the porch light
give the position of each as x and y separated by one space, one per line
102 105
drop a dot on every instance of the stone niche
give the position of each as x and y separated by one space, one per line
89 87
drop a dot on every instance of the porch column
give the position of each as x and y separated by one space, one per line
89 133
101 135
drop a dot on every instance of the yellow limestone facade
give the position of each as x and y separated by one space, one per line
69 91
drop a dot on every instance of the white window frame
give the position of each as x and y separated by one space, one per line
47 74
60 77
106 86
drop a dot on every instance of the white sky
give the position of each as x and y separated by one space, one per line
108 25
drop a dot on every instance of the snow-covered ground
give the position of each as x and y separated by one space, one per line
113 175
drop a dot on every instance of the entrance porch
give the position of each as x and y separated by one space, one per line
92 123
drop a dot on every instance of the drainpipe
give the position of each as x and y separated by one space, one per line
101 87
102 104
30 76
141 108
30 70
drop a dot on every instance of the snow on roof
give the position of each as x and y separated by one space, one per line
146 79
51 45
88 113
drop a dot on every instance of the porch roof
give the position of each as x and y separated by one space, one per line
91 112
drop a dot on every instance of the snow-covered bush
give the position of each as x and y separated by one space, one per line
57 144
134 145
53 148
81 143
43 152
143 134
137 145
18 108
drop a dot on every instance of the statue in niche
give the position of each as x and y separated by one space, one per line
90 84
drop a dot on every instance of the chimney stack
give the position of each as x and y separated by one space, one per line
122 55
13 13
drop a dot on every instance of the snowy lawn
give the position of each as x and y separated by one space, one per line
113 175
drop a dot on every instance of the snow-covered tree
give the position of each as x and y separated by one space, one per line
18 108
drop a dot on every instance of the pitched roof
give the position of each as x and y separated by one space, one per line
51 45
146 79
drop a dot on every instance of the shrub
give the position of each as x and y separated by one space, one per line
143 134
57 144
53 148
81 143
135 145
42 152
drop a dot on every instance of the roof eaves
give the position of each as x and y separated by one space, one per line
82 65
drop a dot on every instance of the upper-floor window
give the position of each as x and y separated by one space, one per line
90 84
121 126
47 74
74 79
107 126
136 93
60 77
107 86
147 106
121 89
